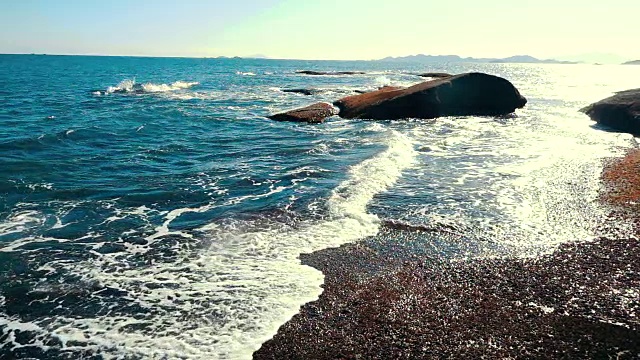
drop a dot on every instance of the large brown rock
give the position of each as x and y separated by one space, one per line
460 95
312 114
620 112
352 106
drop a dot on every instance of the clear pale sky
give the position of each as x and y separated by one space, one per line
321 29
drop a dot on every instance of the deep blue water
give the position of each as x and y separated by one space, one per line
166 222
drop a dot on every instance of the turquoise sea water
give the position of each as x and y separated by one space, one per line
149 210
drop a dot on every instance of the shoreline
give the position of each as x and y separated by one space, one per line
579 301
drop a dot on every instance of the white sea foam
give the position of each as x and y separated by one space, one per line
306 170
130 86
524 190
12 327
163 230
141 212
21 221
382 81
125 85
46 186
178 85
224 300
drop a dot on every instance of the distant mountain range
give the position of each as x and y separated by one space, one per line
521 59
634 62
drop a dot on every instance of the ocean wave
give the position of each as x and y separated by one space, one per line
382 81
129 86
178 85
222 299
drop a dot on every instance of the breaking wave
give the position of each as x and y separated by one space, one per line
221 300
129 86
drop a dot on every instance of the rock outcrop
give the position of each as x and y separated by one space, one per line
620 112
312 114
460 95
352 106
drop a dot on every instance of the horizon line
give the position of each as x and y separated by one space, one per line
292 59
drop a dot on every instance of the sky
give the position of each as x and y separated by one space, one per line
322 29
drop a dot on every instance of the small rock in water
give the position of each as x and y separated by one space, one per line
312 114
301 91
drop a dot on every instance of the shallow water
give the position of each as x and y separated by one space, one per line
149 210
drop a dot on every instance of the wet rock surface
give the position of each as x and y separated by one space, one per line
619 112
352 106
580 302
622 180
312 114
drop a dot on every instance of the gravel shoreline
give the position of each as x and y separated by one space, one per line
581 301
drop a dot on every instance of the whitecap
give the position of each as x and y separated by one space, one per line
382 81
125 85
130 86
21 221
178 85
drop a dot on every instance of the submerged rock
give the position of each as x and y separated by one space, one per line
312 114
302 91
311 72
620 111
460 95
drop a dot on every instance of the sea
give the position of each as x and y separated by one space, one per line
149 209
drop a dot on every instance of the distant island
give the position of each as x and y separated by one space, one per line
257 56
520 59
634 62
